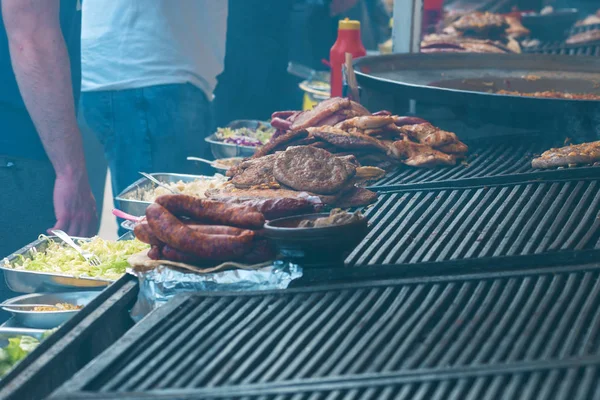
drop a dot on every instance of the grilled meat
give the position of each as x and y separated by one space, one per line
313 170
346 140
430 135
419 155
366 122
356 197
585 153
445 43
457 148
584 37
552 94
279 143
321 111
515 27
255 172
481 24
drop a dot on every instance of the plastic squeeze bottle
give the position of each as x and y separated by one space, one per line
348 41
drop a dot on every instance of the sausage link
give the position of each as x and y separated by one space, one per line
171 254
154 253
143 233
176 234
212 212
261 251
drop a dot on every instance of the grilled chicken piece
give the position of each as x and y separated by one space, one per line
419 155
515 27
445 43
585 153
457 148
346 140
584 37
356 197
366 122
321 111
481 24
429 135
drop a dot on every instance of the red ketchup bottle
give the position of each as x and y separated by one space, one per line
348 41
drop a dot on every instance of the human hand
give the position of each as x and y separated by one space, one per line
74 206
339 6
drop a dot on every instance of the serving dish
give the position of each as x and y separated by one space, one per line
228 150
22 281
47 319
137 208
315 247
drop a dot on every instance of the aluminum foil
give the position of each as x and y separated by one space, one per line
159 285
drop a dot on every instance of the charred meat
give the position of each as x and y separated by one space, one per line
585 153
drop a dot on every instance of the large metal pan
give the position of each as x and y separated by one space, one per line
457 91
472 79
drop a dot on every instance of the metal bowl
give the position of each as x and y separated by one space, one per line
322 247
47 319
228 150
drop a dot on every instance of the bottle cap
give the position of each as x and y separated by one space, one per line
349 24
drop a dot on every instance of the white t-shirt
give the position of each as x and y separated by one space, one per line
127 44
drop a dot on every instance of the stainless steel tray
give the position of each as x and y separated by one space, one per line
228 150
126 199
33 282
47 319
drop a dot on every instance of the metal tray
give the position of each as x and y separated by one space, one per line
138 207
33 282
228 150
47 319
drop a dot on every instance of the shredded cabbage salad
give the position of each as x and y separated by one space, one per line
17 349
60 259
246 136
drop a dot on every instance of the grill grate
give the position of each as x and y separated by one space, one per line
459 325
564 381
560 47
505 159
439 225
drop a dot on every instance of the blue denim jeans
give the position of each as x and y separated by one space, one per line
151 129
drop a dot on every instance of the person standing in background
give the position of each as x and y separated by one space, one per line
149 69
43 179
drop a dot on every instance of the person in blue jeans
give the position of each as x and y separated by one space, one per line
149 69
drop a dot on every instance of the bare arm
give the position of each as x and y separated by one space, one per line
41 65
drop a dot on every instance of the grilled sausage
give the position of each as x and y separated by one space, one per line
171 254
282 124
176 234
143 233
154 253
261 251
212 212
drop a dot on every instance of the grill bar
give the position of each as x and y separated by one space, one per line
409 327
482 223
567 379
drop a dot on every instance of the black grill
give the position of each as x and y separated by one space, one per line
505 159
560 47
448 331
514 220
